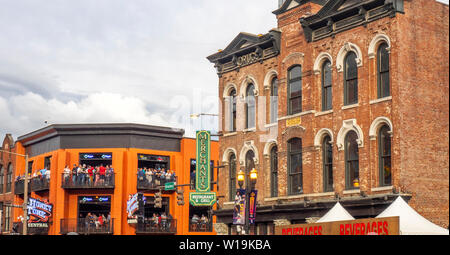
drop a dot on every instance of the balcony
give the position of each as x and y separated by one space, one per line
200 226
153 183
36 184
39 184
82 227
86 182
151 227
19 186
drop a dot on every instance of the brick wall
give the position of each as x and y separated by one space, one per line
417 108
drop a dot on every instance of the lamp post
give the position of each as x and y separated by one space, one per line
25 192
249 185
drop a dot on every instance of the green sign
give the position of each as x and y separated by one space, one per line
202 198
203 169
169 186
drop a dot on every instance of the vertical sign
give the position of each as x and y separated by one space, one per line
202 195
252 206
203 169
239 207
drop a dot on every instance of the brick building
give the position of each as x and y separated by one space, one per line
343 101
7 166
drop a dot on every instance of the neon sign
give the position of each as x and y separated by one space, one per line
38 211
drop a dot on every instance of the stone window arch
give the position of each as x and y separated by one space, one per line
320 135
321 58
349 125
230 98
377 124
376 42
348 47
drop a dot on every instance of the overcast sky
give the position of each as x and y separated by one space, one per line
104 61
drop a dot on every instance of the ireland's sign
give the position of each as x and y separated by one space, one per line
202 195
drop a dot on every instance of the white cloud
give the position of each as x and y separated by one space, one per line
140 61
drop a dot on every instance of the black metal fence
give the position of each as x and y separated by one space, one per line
200 226
40 184
83 227
162 227
86 181
153 182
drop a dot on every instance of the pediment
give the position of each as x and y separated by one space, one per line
290 4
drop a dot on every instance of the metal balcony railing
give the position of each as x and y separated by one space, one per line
152 183
39 184
84 227
200 226
149 226
19 186
85 181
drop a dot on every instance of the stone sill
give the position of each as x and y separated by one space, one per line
352 191
297 115
299 196
271 125
345 107
386 188
323 113
379 100
230 134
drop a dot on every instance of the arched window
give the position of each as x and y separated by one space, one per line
350 79
232 111
250 106
384 156
295 173
9 178
294 90
274 100
274 171
249 165
383 71
327 159
2 175
326 86
232 174
351 161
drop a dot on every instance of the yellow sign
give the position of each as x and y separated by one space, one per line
293 122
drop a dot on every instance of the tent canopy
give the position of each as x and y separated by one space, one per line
411 223
337 213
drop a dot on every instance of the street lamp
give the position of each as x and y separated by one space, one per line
248 187
195 116
25 192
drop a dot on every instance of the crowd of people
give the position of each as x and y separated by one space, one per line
87 175
155 177
93 222
160 222
199 223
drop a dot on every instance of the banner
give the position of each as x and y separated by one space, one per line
39 212
252 207
371 226
239 207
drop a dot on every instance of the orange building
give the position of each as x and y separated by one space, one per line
126 148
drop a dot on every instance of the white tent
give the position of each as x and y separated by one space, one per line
411 223
337 213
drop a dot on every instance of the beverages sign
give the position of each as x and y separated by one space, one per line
374 226
202 195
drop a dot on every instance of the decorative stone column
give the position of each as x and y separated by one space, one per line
221 228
